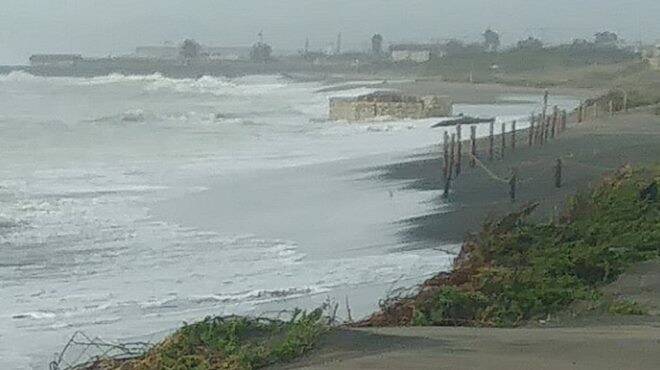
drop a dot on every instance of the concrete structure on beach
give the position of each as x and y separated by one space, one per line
389 104
652 56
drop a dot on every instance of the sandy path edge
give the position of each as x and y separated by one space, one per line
603 347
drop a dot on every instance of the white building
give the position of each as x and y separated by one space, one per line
416 53
652 56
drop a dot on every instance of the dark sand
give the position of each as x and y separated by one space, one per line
588 150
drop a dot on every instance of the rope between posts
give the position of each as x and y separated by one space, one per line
488 171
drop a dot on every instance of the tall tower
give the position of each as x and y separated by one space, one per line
377 44
338 45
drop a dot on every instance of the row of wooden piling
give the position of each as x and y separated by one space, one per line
590 111
543 127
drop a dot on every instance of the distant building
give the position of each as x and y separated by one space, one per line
55 60
417 53
209 52
158 52
226 52
652 56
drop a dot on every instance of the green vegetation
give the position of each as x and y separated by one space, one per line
625 307
515 270
234 343
580 64
532 66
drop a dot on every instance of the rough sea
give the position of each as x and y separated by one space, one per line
130 204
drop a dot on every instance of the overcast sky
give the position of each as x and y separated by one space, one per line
102 27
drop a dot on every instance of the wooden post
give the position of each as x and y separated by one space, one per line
451 167
452 155
625 101
544 129
445 149
555 118
512 184
445 194
564 120
473 150
587 112
558 173
580 113
503 134
513 136
491 139
531 130
611 108
459 149
545 104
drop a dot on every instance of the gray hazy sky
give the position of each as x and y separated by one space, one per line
102 27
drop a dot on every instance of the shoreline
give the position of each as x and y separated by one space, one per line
475 195
588 152
586 340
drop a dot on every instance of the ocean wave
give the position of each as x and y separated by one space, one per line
19 76
129 116
251 296
214 85
36 315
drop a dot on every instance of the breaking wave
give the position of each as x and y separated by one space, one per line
219 86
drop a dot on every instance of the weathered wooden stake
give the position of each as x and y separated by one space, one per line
580 113
445 193
512 184
625 101
459 149
473 149
531 130
555 118
545 104
451 167
491 139
564 120
544 130
558 173
452 155
513 136
503 134
611 108
585 114
445 149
